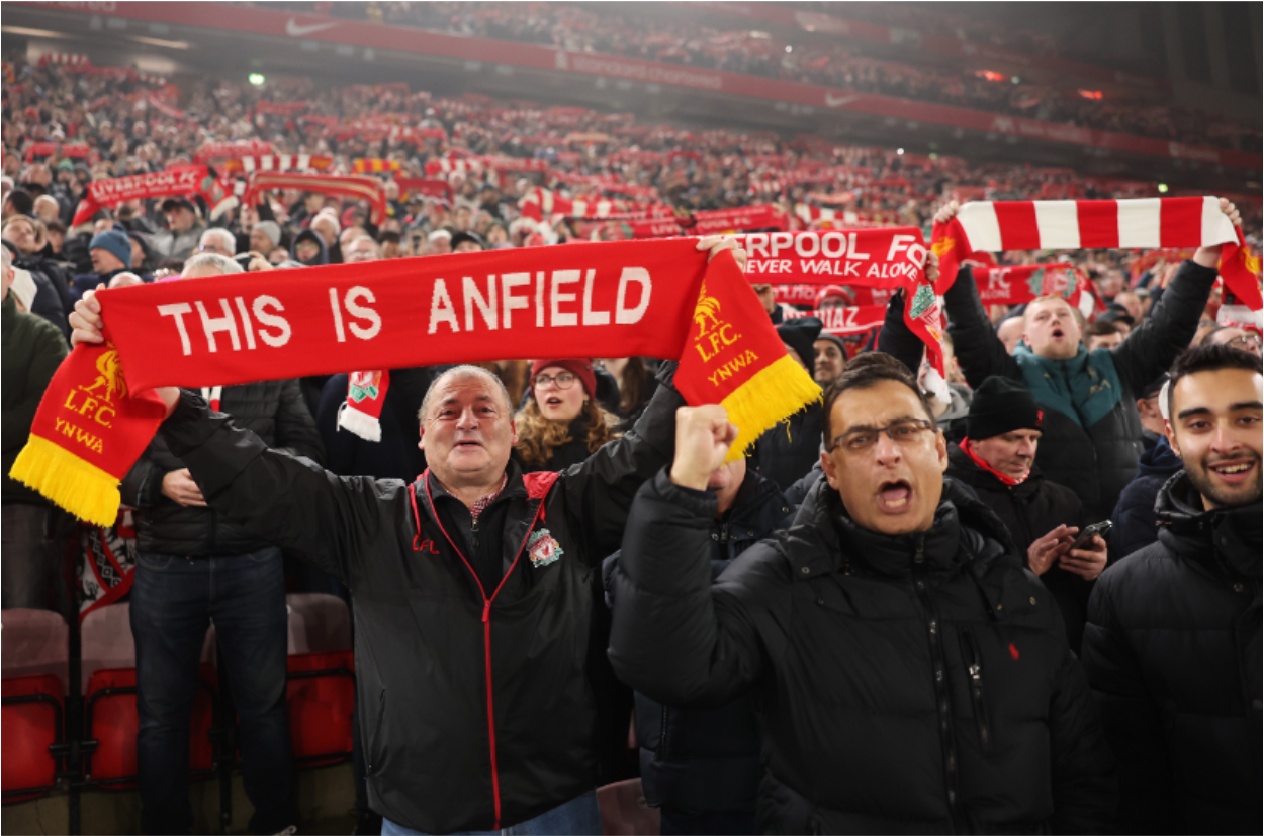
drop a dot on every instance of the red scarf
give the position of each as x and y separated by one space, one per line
1020 284
355 187
1008 481
657 299
1084 224
181 181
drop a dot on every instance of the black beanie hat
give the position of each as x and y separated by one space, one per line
1001 405
800 334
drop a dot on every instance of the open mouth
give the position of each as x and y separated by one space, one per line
1058 333
1234 471
553 401
894 496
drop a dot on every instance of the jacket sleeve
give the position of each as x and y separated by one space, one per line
979 351
673 637
329 520
1084 777
1168 330
44 354
295 430
896 339
1132 719
603 485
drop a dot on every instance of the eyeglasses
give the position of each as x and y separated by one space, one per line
904 433
1247 341
565 380
211 248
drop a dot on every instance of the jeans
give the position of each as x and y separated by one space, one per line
580 815
173 600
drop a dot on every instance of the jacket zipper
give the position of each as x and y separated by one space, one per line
943 703
487 631
975 669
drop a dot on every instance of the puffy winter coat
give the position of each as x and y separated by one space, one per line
1172 650
1029 510
1092 432
787 452
1136 521
478 704
274 410
707 760
915 683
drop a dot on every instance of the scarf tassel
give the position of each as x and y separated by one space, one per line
762 399
68 480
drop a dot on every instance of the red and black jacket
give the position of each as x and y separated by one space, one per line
477 705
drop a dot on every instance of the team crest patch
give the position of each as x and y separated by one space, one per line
543 549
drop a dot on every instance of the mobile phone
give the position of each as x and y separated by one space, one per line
1086 534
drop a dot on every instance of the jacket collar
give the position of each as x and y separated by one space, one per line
1230 536
966 535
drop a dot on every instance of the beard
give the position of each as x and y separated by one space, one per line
1221 495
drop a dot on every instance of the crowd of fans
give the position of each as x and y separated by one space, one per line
813 61
1049 453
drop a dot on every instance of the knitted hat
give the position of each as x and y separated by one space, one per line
115 242
270 229
1000 406
834 338
799 334
582 369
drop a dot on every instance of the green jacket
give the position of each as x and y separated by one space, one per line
32 350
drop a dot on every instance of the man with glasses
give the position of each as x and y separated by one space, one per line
909 675
1235 337
218 241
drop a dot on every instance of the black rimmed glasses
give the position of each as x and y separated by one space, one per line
904 432
565 380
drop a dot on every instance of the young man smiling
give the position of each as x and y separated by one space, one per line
909 675
1172 646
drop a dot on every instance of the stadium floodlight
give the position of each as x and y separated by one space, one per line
899 151
1163 188
1015 80
256 79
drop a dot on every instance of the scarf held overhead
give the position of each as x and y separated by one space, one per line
1087 224
656 299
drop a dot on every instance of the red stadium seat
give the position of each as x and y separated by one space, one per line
321 696
35 649
111 719
113 724
624 811
32 722
321 674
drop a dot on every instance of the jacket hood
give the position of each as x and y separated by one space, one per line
1232 536
309 235
1159 460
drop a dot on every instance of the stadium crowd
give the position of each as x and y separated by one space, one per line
1137 701
806 60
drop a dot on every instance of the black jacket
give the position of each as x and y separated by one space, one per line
397 455
1098 460
919 683
1172 650
707 760
1029 510
787 452
477 708
273 410
1135 518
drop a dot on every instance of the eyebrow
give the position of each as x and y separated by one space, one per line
871 427
1236 407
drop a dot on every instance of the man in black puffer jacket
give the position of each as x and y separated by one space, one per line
995 459
909 674
1172 646
194 567
701 767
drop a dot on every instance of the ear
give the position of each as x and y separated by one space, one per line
1171 438
831 470
941 450
422 444
513 432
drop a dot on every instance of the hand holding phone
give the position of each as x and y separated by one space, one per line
1085 540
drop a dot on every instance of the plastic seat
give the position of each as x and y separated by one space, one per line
112 721
32 716
320 687
624 811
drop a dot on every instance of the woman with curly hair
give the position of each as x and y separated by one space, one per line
561 424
